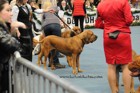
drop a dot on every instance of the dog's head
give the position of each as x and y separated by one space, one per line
88 36
71 32
75 31
134 66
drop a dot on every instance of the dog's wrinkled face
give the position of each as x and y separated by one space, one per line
89 36
134 67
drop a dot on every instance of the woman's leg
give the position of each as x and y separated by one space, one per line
82 23
76 20
126 78
112 77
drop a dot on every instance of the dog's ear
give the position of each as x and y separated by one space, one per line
86 38
138 60
77 30
89 37
72 33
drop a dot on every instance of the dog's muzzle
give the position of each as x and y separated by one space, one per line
94 38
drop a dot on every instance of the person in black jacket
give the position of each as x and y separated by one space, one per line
8 44
22 12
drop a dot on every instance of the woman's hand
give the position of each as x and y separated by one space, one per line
86 16
18 34
52 11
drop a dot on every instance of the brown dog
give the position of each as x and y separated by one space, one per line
138 90
71 47
134 67
132 90
70 33
65 34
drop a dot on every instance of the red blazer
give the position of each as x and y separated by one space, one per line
114 15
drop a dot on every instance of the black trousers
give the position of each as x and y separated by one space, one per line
26 41
26 47
81 19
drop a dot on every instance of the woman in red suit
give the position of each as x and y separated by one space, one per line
115 16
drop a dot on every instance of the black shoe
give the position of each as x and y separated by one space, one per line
58 65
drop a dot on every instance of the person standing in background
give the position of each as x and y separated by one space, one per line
79 13
68 3
22 12
117 39
51 26
64 6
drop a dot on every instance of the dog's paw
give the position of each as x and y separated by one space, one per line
80 70
45 68
132 91
38 63
74 72
53 68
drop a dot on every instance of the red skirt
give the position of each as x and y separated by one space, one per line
118 51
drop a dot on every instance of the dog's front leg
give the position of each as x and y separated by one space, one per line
78 64
45 62
46 54
74 64
132 90
69 61
39 58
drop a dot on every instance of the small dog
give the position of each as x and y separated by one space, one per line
72 47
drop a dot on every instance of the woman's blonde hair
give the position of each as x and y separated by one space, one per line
47 5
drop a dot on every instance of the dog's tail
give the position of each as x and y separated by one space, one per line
37 49
40 41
